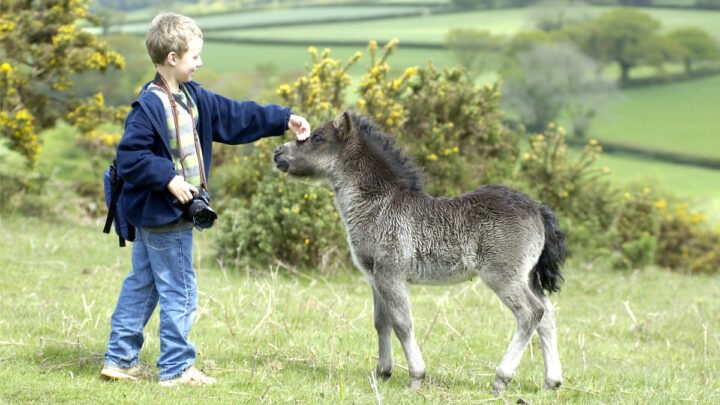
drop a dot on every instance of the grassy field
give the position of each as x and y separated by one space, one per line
678 117
427 28
278 335
281 16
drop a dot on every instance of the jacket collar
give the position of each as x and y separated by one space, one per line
155 110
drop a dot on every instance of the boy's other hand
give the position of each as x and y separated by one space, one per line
300 127
181 189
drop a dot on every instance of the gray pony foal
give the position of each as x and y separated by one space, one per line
398 234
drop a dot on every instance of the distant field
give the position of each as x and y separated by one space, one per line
281 16
701 187
432 28
224 57
679 117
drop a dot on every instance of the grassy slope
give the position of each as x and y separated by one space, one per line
269 337
677 117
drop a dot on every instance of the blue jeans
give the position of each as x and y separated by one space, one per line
162 270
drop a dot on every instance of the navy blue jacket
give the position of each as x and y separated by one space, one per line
144 157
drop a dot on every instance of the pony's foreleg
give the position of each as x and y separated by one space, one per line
383 325
528 312
548 339
395 295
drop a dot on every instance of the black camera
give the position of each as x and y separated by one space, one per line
198 210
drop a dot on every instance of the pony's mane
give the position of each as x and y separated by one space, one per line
383 146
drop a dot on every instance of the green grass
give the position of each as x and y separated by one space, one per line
278 336
678 117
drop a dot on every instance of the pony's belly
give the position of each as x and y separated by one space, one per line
440 273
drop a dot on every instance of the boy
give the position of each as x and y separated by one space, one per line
164 155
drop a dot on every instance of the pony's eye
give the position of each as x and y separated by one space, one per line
316 138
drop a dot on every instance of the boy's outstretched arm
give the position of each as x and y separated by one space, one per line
300 127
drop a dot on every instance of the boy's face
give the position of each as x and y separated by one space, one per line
186 65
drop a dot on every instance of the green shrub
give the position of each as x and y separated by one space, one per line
578 192
28 192
452 128
285 220
455 132
636 253
635 229
685 243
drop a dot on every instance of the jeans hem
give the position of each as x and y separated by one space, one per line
176 375
121 365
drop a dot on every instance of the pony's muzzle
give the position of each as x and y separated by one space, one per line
280 161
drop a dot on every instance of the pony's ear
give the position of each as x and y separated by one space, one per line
343 123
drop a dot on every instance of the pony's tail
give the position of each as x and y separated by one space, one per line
547 269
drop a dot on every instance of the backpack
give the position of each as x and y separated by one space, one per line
113 185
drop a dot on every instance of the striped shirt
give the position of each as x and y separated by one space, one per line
188 156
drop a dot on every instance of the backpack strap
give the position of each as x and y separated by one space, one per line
117 184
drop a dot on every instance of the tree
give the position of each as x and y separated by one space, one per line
626 36
41 45
552 15
551 79
472 48
696 45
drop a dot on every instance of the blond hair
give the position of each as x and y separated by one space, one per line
170 32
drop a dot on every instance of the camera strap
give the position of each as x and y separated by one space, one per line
160 82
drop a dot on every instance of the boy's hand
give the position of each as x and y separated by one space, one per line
300 127
181 189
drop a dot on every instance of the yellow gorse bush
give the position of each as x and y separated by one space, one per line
455 131
47 33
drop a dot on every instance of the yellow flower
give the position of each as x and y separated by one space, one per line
410 72
455 149
660 204
432 157
627 196
372 46
5 68
540 138
392 44
312 51
307 241
593 142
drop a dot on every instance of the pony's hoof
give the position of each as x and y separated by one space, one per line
500 384
415 384
383 373
552 384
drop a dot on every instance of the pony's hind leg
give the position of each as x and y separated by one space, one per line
383 326
395 296
548 339
528 312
